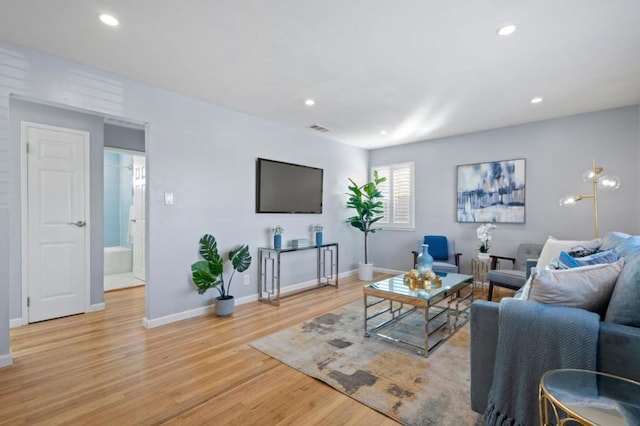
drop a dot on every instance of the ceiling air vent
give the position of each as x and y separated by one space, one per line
319 128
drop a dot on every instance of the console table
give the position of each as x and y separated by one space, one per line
269 269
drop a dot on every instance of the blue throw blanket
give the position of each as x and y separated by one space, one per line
532 339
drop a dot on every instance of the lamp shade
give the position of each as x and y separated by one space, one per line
591 175
608 182
569 200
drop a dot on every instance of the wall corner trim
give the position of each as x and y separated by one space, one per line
96 307
15 322
6 360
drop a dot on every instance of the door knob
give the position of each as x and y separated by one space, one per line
79 224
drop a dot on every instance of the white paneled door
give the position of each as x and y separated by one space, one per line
139 220
57 170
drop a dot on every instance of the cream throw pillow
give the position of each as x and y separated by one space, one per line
552 248
586 287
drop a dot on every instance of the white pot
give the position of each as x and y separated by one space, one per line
225 307
483 256
365 271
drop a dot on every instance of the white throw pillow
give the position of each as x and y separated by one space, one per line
552 248
526 289
587 287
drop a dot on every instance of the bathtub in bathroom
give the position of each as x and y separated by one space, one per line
117 260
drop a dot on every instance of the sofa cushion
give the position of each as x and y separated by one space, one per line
510 277
587 287
552 248
439 266
625 300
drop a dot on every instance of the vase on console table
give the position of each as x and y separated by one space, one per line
319 238
277 241
424 261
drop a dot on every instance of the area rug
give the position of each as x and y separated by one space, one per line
383 375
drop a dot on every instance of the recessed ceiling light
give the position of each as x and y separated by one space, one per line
108 20
506 30
536 100
383 132
309 102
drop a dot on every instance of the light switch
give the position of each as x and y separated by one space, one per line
168 198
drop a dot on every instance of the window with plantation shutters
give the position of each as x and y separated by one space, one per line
398 195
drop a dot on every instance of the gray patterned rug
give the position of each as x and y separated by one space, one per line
387 377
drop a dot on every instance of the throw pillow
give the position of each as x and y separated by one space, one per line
586 287
523 293
438 246
552 248
567 261
612 239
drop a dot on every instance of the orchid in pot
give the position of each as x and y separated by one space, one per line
484 235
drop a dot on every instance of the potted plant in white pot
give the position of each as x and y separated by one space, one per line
365 200
484 235
209 273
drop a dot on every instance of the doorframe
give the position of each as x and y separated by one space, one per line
142 154
24 228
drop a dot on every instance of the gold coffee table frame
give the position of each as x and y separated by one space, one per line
436 303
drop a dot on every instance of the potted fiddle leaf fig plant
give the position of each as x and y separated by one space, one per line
209 272
365 200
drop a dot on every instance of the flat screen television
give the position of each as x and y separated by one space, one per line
287 188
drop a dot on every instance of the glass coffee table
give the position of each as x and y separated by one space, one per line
442 311
582 397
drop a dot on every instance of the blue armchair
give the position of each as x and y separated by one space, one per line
443 251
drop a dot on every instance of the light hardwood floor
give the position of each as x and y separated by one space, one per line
105 368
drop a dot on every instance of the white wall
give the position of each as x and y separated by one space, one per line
556 152
202 153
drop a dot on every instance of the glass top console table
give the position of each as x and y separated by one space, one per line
269 269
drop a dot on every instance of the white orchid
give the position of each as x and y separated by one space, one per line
317 228
484 235
277 230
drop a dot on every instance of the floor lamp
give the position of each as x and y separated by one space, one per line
604 182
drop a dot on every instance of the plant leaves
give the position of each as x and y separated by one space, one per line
240 258
208 247
204 275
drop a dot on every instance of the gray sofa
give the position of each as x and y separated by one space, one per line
618 348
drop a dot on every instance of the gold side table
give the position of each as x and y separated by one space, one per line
479 269
570 397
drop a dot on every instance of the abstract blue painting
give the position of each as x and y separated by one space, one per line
491 192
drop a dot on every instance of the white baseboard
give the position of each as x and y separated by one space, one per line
205 310
96 307
168 319
6 360
15 322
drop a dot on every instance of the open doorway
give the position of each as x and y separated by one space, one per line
124 219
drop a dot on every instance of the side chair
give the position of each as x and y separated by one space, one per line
515 277
443 251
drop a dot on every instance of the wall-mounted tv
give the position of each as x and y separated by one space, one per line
287 188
